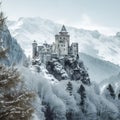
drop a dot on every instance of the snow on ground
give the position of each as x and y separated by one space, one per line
58 97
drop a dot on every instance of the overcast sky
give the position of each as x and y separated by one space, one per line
103 15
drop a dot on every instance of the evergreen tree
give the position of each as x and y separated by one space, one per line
48 112
2 19
69 88
15 101
111 91
2 25
82 93
69 115
77 57
119 96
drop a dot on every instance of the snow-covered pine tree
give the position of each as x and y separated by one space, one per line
82 93
55 68
69 88
2 24
111 91
76 70
2 19
69 115
15 101
119 96
48 112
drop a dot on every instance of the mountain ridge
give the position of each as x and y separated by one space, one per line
99 69
25 30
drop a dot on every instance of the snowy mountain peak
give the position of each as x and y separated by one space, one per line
25 30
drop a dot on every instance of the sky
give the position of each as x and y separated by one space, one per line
101 15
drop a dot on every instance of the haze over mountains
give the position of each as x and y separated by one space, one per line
61 91
92 45
99 70
90 42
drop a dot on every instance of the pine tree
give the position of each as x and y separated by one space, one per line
111 91
82 93
48 112
2 19
3 52
15 101
119 96
77 57
2 25
69 115
69 88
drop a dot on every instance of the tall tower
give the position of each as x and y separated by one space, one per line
34 50
62 42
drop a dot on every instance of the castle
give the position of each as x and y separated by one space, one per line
60 48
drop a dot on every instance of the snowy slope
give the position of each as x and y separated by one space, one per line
14 53
99 69
90 42
113 80
61 102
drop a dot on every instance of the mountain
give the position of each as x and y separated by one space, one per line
113 80
61 97
25 30
14 52
99 69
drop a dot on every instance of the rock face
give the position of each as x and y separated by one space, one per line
76 70
68 68
14 52
57 69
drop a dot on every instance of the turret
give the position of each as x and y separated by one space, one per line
34 51
62 42
74 49
63 30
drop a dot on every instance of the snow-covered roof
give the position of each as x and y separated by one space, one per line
34 41
63 29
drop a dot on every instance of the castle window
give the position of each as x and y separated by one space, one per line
61 41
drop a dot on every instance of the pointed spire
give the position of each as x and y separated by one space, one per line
63 29
34 41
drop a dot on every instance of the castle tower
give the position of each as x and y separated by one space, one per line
34 50
62 42
74 49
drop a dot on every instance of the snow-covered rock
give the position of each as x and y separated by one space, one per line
14 52
68 68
